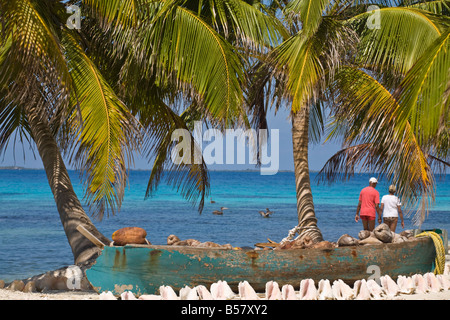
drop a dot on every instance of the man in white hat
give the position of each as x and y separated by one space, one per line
369 205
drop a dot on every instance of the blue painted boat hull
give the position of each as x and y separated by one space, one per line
143 269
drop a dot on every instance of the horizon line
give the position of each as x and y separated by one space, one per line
138 169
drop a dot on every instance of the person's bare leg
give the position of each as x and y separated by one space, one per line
365 224
393 224
388 222
371 225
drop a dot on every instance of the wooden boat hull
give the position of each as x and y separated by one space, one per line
143 269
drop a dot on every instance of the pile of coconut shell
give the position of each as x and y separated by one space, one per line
136 235
173 240
381 234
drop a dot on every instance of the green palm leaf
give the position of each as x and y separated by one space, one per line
376 141
424 95
250 25
116 13
392 47
105 133
297 53
34 58
436 7
185 51
178 56
308 61
13 123
190 178
309 11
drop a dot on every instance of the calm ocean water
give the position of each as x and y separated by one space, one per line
32 240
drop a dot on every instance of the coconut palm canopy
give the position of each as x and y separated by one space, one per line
95 93
391 102
362 63
135 65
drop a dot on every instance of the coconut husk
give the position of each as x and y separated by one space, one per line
370 240
383 233
129 235
363 234
347 240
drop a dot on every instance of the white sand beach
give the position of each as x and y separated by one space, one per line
6 294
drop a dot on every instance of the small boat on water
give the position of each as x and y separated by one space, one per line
142 269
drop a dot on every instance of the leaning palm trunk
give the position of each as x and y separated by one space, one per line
307 222
69 207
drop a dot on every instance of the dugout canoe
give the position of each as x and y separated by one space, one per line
142 269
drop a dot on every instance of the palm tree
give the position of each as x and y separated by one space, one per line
61 88
393 108
302 66
327 35
52 93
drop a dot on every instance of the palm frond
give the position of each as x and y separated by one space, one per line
263 92
34 59
423 92
116 13
182 50
309 61
310 13
13 123
190 177
346 162
106 133
391 47
376 141
251 25
436 7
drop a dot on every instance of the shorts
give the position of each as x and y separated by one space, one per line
390 219
370 218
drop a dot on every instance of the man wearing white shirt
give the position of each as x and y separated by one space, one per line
391 207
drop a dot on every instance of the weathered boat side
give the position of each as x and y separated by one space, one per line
143 269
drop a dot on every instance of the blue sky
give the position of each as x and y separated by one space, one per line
318 154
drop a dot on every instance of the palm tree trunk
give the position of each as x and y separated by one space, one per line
69 207
307 222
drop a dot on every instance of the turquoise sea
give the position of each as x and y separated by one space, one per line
32 240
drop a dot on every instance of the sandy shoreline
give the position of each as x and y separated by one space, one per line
6 294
